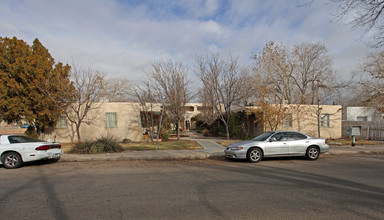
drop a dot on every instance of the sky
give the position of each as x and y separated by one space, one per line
122 38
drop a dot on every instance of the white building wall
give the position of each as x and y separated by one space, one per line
354 112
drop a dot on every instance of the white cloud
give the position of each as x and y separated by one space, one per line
123 39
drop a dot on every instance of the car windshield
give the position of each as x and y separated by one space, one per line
263 136
22 139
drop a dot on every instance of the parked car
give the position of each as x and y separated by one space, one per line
25 125
277 144
17 149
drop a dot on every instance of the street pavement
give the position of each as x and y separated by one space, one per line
211 149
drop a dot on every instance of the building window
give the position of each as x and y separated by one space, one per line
287 123
110 120
324 120
362 118
62 122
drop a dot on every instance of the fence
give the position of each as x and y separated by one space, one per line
368 130
12 130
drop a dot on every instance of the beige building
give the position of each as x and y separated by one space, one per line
124 120
324 120
121 120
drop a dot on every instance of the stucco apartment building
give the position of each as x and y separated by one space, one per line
122 120
309 119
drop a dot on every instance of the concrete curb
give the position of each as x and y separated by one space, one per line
202 154
137 155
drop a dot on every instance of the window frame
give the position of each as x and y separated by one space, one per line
287 122
325 120
110 120
62 122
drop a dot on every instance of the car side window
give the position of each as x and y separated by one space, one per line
296 136
278 137
22 139
13 140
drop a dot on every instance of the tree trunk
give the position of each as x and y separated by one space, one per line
78 133
227 130
178 130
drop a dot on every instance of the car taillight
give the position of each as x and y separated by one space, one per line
44 147
56 146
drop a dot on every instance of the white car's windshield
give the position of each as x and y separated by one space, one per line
22 139
263 136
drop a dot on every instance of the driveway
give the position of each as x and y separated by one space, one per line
209 144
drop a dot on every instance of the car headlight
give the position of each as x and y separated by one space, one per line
235 148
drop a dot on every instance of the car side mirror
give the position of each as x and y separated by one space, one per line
272 139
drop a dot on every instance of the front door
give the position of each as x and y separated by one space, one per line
278 145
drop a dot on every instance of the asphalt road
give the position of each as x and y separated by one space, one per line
340 187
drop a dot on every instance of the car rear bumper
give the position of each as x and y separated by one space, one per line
43 155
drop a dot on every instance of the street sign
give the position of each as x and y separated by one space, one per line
353 131
356 131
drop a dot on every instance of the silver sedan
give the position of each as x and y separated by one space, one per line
277 144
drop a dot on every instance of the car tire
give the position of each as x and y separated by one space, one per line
313 153
11 160
254 155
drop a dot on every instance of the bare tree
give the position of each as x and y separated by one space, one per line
275 68
89 86
373 83
267 112
208 111
116 90
273 72
144 93
366 14
225 83
314 77
302 76
170 80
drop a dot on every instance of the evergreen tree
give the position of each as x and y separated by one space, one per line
31 84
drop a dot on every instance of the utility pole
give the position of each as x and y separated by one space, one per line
159 128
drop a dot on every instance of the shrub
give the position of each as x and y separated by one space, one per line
165 136
104 144
31 132
82 147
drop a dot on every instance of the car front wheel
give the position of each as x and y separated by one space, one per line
313 153
254 155
11 160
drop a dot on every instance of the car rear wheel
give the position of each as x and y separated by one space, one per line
313 153
254 155
11 160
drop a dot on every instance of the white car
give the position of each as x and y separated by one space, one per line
17 149
277 144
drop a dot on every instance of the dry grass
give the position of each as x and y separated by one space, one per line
349 141
163 145
66 147
142 146
225 143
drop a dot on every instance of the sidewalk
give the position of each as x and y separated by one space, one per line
211 150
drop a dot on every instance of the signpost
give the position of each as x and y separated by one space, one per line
353 131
